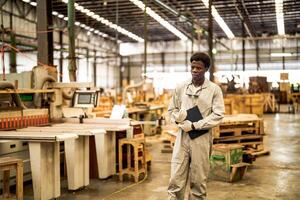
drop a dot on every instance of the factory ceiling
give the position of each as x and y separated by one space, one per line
189 17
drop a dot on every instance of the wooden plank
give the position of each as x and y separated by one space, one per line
66 130
77 158
36 136
6 176
45 169
97 121
7 114
106 154
19 180
107 127
27 91
260 153
34 112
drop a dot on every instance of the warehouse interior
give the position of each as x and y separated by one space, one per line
85 87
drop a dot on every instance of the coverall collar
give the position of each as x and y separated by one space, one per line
190 92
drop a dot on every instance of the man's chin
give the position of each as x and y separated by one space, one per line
198 76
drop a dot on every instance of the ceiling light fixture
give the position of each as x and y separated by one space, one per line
76 23
105 22
279 17
159 19
33 3
281 54
219 20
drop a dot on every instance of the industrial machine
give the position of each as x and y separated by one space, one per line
32 99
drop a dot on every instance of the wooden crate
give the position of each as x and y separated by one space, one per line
254 104
250 103
229 106
226 162
269 102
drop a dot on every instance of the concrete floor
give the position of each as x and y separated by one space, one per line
276 176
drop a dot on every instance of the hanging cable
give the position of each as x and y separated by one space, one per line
19 51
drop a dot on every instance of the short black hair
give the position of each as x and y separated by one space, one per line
201 56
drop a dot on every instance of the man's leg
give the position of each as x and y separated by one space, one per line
200 152
179 168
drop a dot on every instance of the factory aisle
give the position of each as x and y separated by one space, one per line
276 176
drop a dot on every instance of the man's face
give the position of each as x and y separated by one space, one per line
198 70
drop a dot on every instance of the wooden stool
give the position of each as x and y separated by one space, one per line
7 164
138 145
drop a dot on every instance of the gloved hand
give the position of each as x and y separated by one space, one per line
186 126
180 115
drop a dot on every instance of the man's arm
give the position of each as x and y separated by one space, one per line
217 114
174 106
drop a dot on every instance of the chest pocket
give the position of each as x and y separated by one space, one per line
204 105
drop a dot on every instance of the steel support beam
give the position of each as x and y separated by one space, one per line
210 41
61 56
44 32
257 54
243 45
128 69
145 38
12 54
163 61
95 68
71 32
283 58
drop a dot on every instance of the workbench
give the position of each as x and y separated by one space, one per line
76 153
105 143
44 159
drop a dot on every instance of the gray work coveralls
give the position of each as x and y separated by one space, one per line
191 157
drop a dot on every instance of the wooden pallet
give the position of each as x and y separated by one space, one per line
243 140
238 125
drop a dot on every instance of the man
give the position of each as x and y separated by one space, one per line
191 156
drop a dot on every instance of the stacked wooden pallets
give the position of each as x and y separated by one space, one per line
244 129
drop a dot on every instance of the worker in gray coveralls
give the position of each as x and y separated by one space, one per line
191 156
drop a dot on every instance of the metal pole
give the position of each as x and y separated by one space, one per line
95 68
128 76
45 32
13 55
71 32
61 56
121 73
210 41
192 39
118 55
87 61
283 58
163 61
186 57
257 55
145 38
243 45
